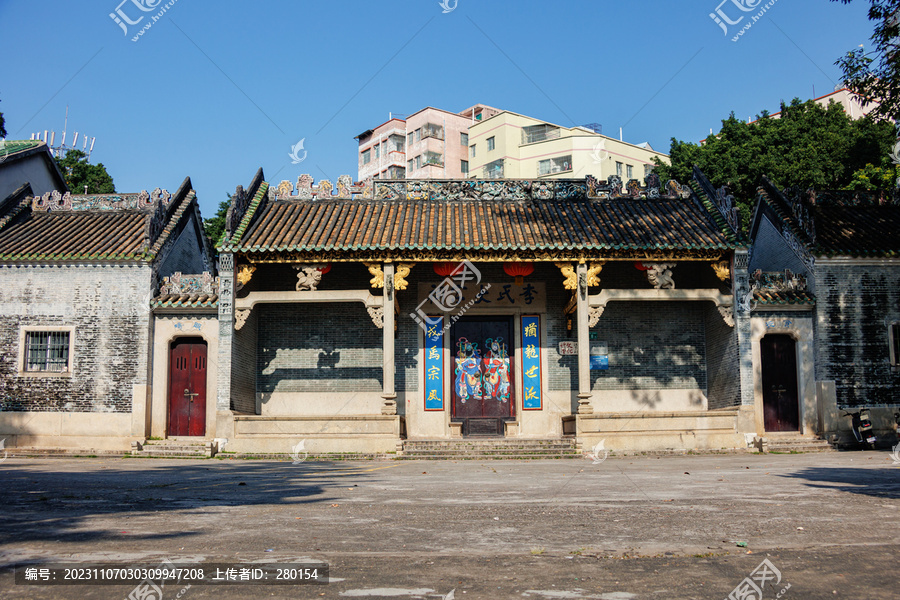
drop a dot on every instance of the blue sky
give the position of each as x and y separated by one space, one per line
215 90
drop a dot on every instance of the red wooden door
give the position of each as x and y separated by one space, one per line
483 394
781 406
187 388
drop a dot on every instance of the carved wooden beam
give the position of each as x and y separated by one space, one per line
240 318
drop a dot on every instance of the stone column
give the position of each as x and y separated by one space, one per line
742 313
389 394
584 343
226 332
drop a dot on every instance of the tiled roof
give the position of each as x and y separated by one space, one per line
185 301
82 235
67 227
582 224
11 147
859 231
853 224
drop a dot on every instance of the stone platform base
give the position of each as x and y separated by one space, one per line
661 431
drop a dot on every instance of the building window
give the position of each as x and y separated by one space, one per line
555 165
619 169
395 173
539 133
433 131
417 162
647 170
396 143
464 167
409 139
47 351
377 150
366 157
464 139
434 158
894 338
491 143
494 170
472 148
630 171
418 133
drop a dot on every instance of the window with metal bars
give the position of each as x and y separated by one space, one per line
47 351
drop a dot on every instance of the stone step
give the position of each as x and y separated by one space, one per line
490 442
498 451
798 444
487 446
489 449
488 457
173 449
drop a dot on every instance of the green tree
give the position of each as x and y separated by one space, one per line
80 173
215 226
809 145
872 178
875 74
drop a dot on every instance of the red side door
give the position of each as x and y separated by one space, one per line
781 402
187 388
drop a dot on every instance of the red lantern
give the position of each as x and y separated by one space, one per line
444 269
325 269
519 270
640 266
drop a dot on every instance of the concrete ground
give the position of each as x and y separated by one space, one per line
626 528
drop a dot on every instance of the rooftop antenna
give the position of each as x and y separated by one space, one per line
49 138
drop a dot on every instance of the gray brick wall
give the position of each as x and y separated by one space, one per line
318 348
854 307
722 363
652 346
244 366
108 307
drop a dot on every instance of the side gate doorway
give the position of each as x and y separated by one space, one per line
781 403
187 388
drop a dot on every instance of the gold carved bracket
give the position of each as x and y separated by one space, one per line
244 274
377 280
568 272
401 272
593 271
723 270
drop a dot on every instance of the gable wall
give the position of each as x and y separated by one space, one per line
771 252
108 306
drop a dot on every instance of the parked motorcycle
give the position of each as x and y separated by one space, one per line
862 428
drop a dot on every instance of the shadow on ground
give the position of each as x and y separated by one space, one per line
881 483
45 504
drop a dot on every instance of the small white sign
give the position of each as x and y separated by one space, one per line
568 348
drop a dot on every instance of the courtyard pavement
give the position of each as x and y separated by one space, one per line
624 528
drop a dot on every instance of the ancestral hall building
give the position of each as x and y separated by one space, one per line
440 309
359 317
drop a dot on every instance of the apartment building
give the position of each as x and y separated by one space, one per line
508 145
429 144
